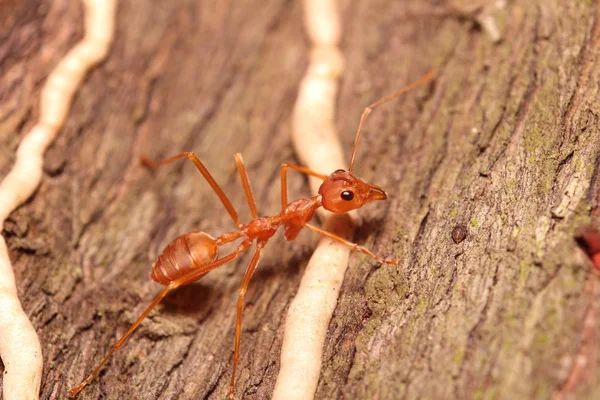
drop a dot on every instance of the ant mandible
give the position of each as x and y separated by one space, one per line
191 256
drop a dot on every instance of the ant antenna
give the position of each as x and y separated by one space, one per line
363 118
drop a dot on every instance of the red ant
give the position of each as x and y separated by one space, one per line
193 255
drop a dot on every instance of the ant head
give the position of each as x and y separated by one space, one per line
342 192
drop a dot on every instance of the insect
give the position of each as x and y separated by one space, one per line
191 256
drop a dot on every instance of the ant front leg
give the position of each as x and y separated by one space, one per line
351 245
304 170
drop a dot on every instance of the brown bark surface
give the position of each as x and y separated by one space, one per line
505 141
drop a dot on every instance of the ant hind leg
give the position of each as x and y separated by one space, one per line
191 276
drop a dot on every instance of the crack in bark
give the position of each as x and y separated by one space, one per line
586 60
593 192
175 367
470 346
522 112
453 277
564 162
215 385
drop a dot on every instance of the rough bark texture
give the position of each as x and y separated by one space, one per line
506 142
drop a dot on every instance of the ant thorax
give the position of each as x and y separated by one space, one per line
298 213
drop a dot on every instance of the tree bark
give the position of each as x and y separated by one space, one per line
505 142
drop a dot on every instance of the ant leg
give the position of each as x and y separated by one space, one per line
185 279
367 111
351 245
74 391
240 308
211 181
247 189
304 170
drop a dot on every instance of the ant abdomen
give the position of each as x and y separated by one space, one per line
182 255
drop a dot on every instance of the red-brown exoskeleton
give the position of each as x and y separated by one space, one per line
191 256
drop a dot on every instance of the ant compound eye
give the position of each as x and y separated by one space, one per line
339 170
347 195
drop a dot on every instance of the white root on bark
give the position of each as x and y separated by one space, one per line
20 347
319 149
